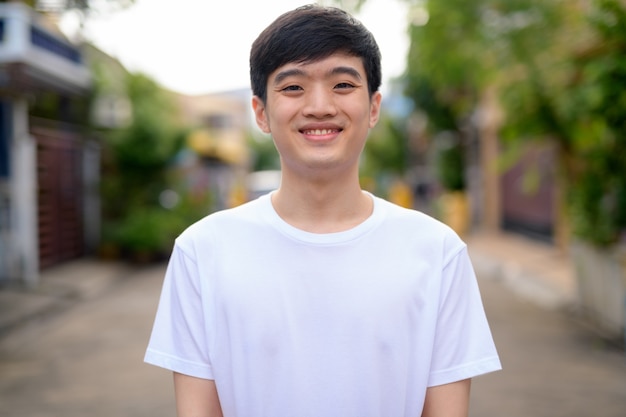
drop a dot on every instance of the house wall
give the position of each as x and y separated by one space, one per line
23 197
7 271
42 75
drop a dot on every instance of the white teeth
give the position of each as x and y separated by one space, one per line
318 132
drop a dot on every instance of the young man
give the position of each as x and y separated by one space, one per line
320 299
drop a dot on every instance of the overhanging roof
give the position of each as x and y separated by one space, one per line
32 56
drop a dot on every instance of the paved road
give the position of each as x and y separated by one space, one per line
553 366
86 361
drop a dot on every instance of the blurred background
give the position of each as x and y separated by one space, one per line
123 121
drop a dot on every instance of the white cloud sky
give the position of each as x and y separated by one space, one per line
202 46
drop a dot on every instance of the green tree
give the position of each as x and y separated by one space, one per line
572 93
386 149
596 110
264 153
444 74
142 150
136 175
459 49
559 70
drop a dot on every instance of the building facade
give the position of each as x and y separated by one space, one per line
48 162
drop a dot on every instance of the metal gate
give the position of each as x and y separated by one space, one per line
60 195
530 209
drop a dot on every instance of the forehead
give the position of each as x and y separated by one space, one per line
335 64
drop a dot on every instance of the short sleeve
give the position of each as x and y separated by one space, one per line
463 345
178 341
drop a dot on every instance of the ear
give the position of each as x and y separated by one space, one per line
375 102
260 114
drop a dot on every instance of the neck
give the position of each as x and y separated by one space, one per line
322 206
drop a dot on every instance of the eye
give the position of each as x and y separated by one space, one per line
291 88
344 86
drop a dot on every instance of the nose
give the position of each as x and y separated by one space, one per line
319 103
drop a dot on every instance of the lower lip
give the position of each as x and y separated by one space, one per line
321 138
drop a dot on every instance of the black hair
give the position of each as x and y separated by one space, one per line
310 33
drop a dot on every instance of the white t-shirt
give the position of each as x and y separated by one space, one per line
351 324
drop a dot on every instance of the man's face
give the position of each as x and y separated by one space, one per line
319 114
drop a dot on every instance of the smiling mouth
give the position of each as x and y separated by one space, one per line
320 132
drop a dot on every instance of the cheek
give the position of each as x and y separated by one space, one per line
283 110
360 111
282 119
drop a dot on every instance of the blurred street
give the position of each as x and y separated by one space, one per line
552 365
523 137
82 354
85 357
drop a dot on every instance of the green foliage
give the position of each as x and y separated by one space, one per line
450 163
386 150
57 106
265 155
424 95
145 230
137 163
454 24
137 156
598 200
597 151
466 46
149 231
442 69
560 69
576 96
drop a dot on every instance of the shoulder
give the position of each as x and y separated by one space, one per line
223 223
412 219
418 227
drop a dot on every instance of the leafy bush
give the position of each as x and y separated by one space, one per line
136 167
145 231
451 164
148 232
598 207
597 150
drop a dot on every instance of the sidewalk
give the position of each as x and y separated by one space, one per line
59 288
531 269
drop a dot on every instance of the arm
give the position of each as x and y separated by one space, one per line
196 397
449 400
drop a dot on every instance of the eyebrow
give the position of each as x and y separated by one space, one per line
295 72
